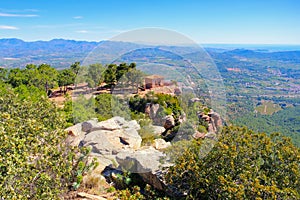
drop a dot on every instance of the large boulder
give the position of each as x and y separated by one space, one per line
153 110
112 124
131 135
145 162
89 125
103 142
110 136
156 113
75 130
169 122
216 119
75 134
140 161
213 120
106 137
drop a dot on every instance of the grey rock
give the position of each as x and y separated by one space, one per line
74 130
153 110
140 161
169 122
145 162
216 118
114 123
147 109
75 135
110 136
132 124
161 144
102 142
88 125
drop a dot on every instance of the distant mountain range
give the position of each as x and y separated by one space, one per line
58 52
62 53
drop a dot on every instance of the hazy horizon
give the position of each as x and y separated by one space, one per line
208 44
227 46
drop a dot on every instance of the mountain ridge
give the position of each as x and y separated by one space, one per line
61 53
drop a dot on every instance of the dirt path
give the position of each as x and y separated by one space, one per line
265 109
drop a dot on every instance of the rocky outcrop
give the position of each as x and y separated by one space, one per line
106 138
216 119
169 122
151 110
75 134
116 143
141 161
156 114
145 162
88 125
214 122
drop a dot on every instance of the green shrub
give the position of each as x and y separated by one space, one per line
35 161
147 135
81 166
241 165
202 129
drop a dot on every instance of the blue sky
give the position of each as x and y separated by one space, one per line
204 21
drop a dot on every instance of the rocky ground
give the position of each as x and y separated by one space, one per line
116 144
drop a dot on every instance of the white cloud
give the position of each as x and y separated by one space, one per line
8 27
77 17
82 31
16 15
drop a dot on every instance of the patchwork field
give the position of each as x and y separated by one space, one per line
268 108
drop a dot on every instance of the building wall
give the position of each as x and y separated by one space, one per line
153 82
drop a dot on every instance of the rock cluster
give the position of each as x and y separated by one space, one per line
214 122
117 144
156 114
106 136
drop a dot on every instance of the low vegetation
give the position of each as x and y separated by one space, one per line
36 162
241 165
